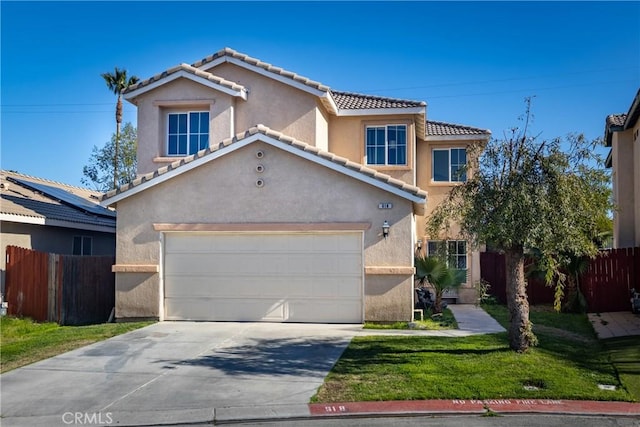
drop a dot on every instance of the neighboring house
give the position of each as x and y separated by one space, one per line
265 196
622 134
52 217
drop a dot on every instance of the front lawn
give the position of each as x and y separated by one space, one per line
431 322
24 341
569 363
625 356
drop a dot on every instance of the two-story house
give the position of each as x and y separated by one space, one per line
265 196
622 134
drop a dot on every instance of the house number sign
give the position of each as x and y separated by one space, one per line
385 205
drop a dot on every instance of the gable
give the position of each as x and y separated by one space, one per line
207 70
344 167
187 72
226 190
273 103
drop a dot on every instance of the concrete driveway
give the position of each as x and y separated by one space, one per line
175 372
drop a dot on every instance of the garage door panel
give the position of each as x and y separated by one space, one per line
231 309
275 310
264 277
337 312
328 287
205 286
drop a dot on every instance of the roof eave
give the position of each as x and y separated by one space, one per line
472 136
42 220
634 112
608 133
132 95
264 72
381 111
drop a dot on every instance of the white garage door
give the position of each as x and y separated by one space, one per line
278 277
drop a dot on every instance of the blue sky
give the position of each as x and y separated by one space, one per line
472 62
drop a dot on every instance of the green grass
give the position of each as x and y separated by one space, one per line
24 341
435 323
569 363
624 353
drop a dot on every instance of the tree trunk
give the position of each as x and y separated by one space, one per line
437 304
115 154
520 333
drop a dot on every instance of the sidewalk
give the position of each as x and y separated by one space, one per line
615 324
472 320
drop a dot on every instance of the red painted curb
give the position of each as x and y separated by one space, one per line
547 406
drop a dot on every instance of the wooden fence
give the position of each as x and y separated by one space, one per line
606 283
67 289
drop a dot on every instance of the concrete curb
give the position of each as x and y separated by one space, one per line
245 414
500 406
231 415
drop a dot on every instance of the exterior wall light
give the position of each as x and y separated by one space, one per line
385 229
419 245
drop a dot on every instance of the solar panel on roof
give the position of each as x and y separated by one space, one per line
67 198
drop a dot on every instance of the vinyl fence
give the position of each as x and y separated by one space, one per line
605 284
67 289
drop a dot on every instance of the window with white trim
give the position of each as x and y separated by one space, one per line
449 165
454 251
187 133
386 145
82 245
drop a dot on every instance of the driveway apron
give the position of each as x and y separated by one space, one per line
175 370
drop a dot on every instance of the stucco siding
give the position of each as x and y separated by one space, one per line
636 180
322 128
295 191
347 139
623 190
273 104
176 96
438 192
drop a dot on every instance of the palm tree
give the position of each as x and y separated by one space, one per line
435 272
118 82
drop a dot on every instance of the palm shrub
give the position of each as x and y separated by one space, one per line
435 272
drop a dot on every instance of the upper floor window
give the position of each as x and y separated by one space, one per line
82 245
449 165
188 133
386 145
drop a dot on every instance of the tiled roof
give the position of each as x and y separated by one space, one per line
384 178
25 202
228 52
189 69
343 100
616 119
449 129
353 101
613 123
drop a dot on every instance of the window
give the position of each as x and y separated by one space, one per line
449 165
386 145
454 251
82 245
188 133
